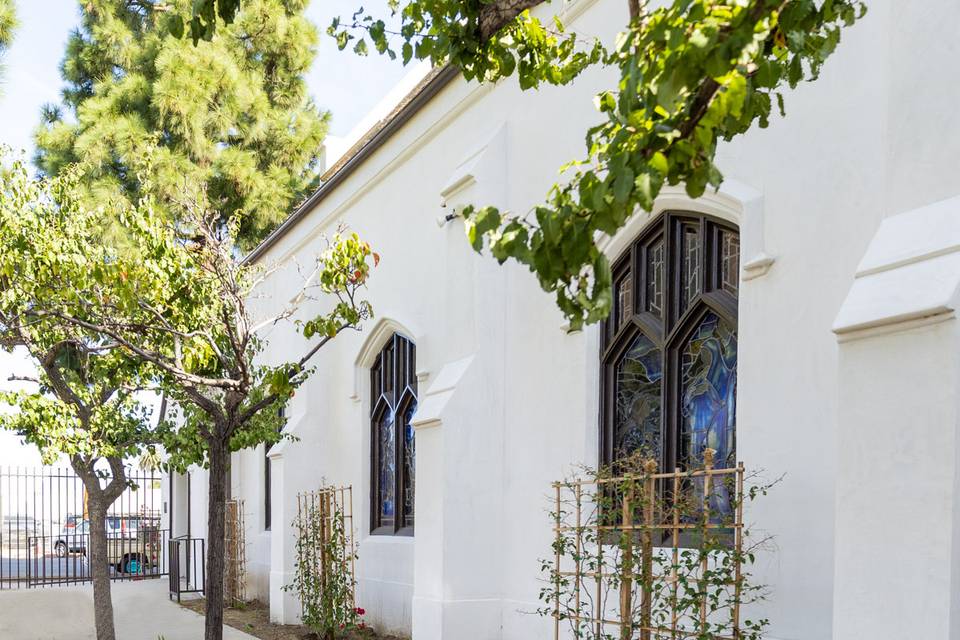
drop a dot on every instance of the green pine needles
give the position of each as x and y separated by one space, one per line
8 22
231 114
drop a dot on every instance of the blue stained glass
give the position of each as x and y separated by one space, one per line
638 403
709 399
409 466
387 471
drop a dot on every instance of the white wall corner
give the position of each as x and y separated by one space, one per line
909 275
291 428
484 169
431 405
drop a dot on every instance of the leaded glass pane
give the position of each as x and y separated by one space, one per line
708 388
376 381
689 265
389 373
386 458
624 300
655 265
409 466
638 407
730 262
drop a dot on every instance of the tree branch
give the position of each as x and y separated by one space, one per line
496 16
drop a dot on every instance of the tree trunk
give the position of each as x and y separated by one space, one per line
99 567
216 494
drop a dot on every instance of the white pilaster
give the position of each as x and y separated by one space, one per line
897 555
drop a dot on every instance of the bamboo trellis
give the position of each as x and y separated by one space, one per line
649 555
235 548
324 512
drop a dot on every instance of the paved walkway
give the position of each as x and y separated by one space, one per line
141 609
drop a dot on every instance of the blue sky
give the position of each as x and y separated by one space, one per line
346 84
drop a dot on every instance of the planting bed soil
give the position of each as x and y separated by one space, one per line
254 618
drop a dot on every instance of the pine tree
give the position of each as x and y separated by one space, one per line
231 115
8 21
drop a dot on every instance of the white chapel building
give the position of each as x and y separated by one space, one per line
826 271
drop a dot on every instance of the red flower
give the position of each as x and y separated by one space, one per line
360 611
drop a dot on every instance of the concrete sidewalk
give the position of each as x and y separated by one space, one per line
141 609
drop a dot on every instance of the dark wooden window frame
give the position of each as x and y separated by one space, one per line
267 506
393 387
267 486
668 333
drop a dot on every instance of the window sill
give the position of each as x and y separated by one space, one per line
387 539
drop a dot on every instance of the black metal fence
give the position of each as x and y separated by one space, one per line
62 559
44 528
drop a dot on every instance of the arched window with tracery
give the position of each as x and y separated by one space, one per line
669 356
393 392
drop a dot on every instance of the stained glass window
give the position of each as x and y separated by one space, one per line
730 262
393 469
409 465
709 392
654 268
386 457
639 375
624 300
689 266
669 381
267 482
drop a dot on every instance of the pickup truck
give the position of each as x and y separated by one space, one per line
131 553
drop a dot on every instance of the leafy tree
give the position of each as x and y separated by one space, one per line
8 22
230 114
82 404
692 73
174 298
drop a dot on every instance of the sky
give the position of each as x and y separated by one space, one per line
340 81
345 84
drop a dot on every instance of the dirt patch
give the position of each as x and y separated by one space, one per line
254 619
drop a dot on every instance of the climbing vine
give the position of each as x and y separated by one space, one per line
323 578
639 553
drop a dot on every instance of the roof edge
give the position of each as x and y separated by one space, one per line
382 132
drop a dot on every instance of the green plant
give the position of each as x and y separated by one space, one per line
82 403
171 304
323 579
232 115
8 23
643 554
690 75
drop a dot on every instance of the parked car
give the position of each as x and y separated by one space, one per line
130 550
73 538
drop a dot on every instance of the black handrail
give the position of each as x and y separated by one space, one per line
184 575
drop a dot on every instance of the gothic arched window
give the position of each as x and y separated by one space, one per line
393 392
669 353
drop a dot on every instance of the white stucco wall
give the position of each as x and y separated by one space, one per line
517 403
